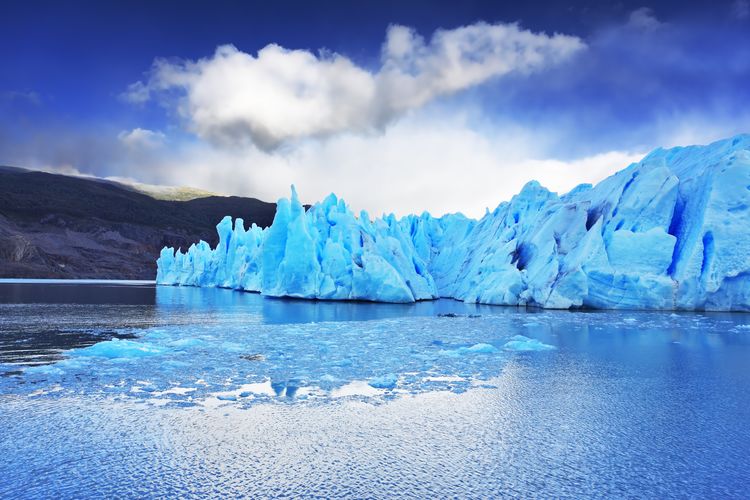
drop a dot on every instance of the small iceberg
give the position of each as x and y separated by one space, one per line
477 349
520 343
115 348
384 382
186 343
480 348
51 369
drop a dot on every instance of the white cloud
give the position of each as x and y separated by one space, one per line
426 158
644 19
431 163
136 93
283 95
415 72
140 138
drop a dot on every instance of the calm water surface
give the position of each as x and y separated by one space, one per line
131 390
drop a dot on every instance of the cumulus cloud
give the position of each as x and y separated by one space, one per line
282 95
136 93
437 160
415 72
637 88
140 138
643 19
437 163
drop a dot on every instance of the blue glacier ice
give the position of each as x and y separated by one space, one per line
119 349
384 382
669 232
325 252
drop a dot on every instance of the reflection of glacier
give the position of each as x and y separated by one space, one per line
670 232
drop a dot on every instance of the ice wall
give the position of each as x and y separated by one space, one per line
669 232
234 263
325 252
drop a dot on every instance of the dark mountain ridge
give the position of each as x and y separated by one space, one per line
59 226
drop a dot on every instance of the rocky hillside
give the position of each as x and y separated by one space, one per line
57 226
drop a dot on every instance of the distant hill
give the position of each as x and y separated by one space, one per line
59 226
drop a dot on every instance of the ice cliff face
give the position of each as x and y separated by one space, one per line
669 232
324 253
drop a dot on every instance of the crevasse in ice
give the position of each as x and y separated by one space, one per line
669 232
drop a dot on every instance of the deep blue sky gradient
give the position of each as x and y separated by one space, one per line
64 64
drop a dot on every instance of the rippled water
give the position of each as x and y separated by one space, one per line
131 390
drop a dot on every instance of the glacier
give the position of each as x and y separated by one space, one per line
669 232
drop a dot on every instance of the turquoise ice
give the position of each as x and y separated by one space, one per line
669 232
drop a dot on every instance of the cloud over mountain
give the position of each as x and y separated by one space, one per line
281 95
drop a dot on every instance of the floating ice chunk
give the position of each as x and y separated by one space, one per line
355 388
116 348
177 390
384 382
187 342
233 347
260 388
520 343
480 348
444 378
51 369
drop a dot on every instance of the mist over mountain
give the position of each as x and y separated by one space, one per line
59 226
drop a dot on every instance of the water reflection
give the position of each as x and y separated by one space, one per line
77 292
172 299
281 311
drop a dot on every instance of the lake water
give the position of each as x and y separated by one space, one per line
131 390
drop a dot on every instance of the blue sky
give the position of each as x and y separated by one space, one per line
397 106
